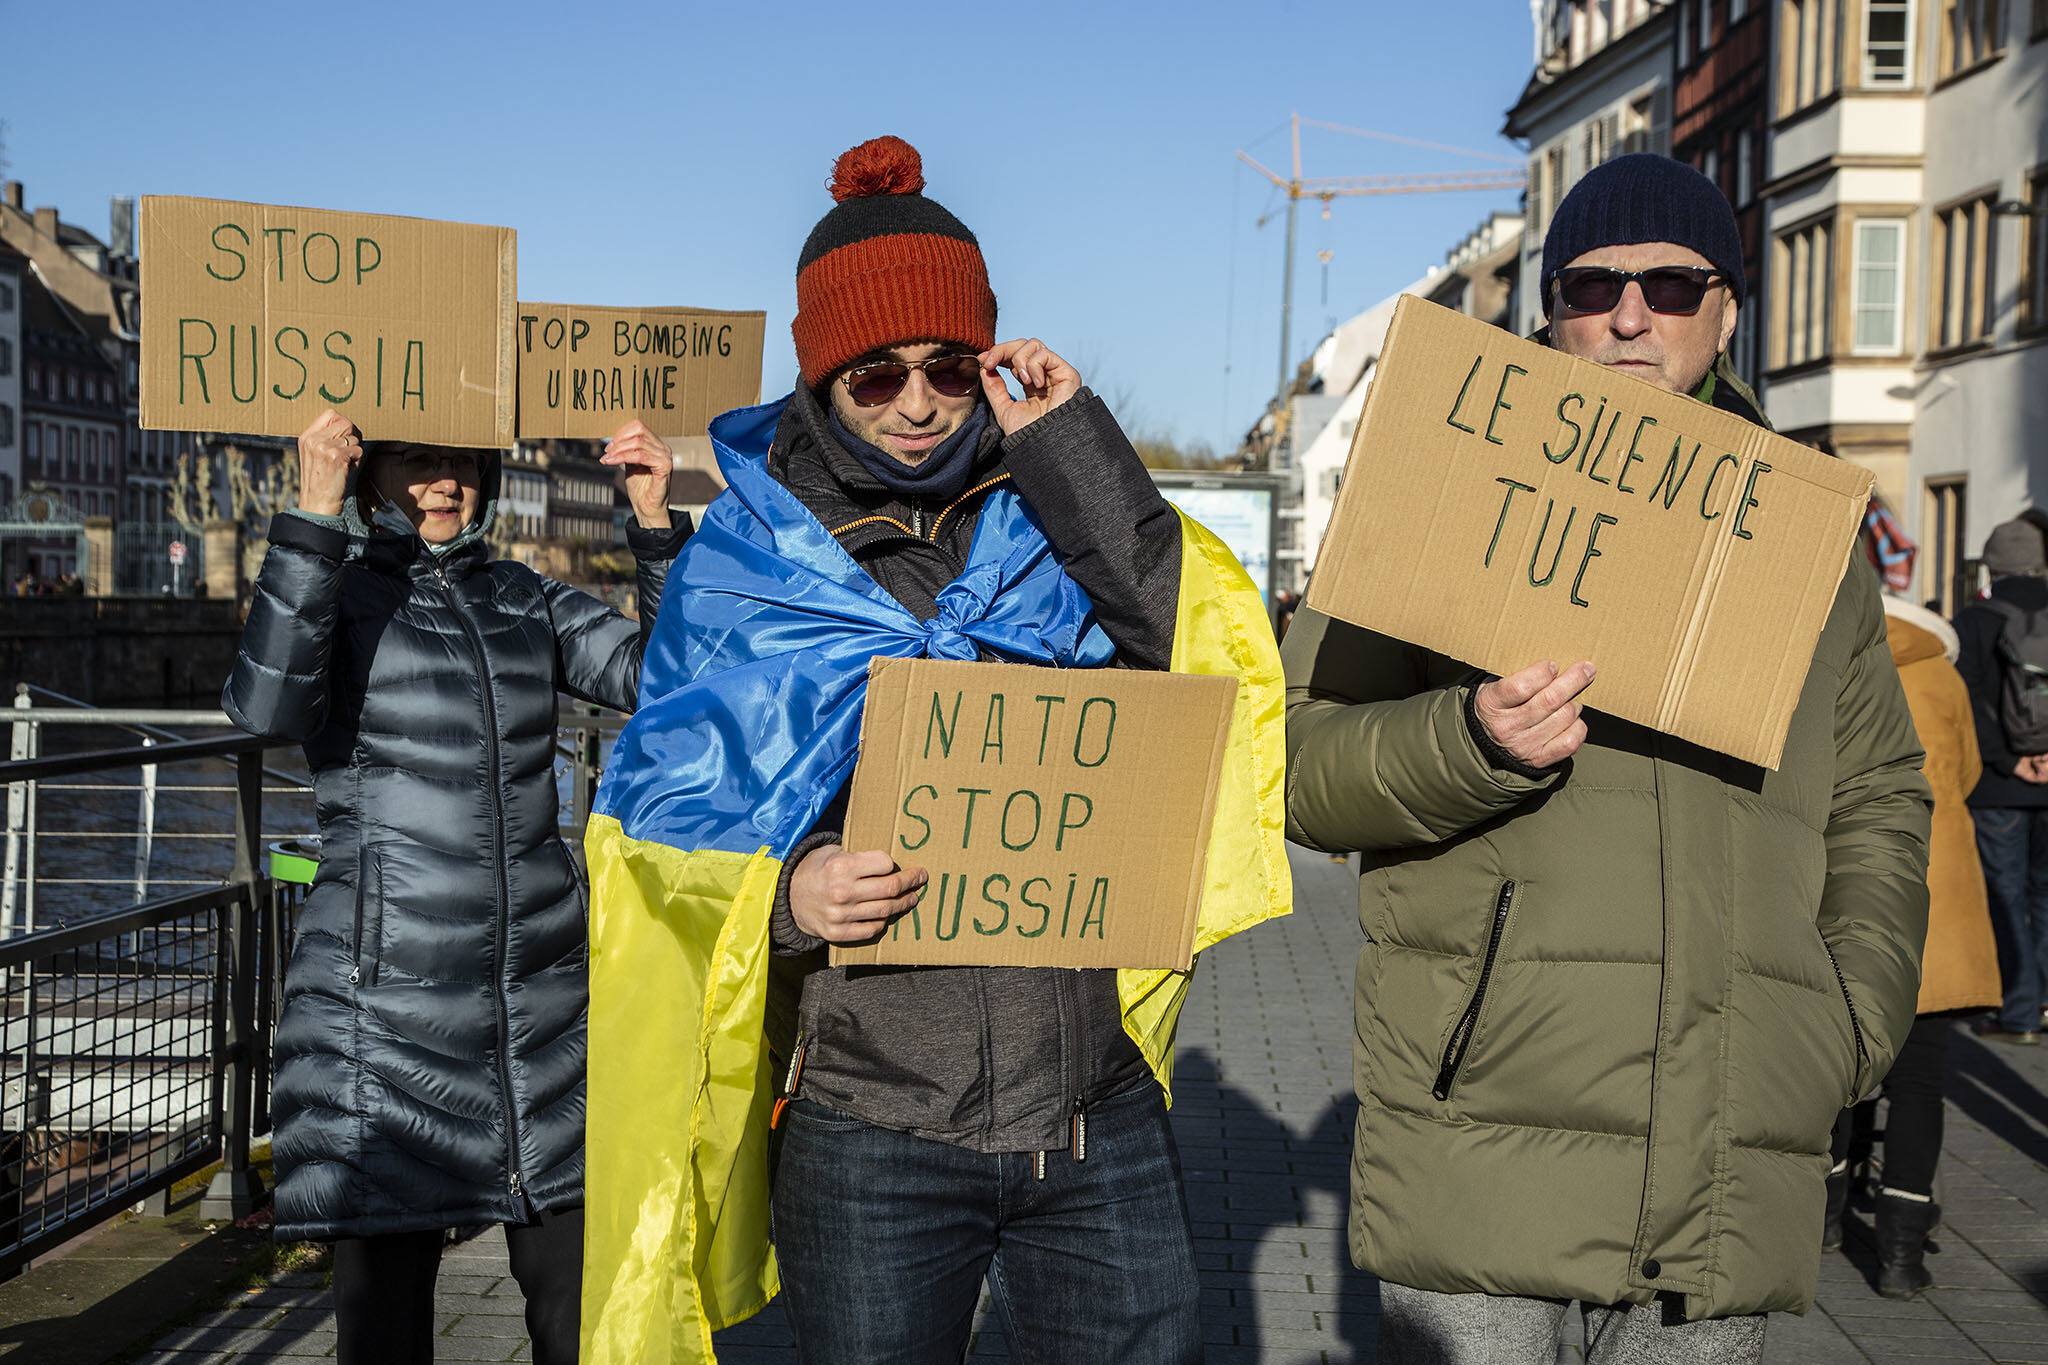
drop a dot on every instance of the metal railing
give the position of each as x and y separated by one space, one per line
134 1043
135 1040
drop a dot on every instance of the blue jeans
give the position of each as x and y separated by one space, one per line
2014 846
884 1239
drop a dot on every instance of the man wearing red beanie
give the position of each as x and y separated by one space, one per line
950 1125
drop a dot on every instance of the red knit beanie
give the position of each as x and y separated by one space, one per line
886 267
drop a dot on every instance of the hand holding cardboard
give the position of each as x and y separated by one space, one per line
843 896
1531 714
328 450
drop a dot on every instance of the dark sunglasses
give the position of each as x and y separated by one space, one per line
1666 288
870 386
422 463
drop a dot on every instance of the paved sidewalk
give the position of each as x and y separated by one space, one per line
1263 1115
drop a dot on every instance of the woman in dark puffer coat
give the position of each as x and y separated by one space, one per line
430 1055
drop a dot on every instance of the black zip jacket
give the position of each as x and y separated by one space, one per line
1978 628
997 1059
430 1052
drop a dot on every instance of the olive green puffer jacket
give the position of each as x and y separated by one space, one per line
1606 1018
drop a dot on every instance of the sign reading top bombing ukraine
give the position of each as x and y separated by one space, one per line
585 371
1505 503
1062 814
255 318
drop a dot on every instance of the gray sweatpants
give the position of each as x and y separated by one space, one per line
1421 1327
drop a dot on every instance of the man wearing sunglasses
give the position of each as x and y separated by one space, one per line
1616 987
948 1125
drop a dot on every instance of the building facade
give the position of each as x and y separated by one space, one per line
1601 87
1720 124
74 426
1979 446
13 265
1905 213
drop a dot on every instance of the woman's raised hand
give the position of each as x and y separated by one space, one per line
648 462
328 450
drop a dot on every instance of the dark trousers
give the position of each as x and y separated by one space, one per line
2013 844
384 1291
883 1240
1912 1130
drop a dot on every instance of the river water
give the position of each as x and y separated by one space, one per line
87 854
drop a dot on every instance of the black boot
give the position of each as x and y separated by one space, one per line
1838 1199
1902 1229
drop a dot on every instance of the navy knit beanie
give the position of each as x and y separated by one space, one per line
1643 197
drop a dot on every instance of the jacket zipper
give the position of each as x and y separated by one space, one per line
1461 1036
1855 1026
1070 1055
516 1180
355 972
355 968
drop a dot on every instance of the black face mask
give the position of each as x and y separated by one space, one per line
943 475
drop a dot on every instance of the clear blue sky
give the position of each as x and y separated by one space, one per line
677 153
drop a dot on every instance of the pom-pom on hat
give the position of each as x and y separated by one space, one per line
886 267
1644 197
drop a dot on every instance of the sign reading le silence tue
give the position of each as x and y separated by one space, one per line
1505 503
1062 814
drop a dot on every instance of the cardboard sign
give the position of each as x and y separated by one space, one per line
584 372
1062 814
255 318
1505 503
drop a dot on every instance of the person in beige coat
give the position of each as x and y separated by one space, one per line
1959 968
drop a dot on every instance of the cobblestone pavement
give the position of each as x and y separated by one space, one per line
1263 1112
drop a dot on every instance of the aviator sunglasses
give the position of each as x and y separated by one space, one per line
1666 288
955 376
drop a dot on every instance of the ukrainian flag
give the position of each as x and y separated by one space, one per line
749 726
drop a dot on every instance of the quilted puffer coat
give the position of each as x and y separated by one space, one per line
430 1053
1607 1015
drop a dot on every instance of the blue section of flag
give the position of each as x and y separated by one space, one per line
750 702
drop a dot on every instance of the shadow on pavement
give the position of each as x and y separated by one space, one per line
1250 1147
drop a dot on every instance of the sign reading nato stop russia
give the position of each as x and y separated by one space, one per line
256 317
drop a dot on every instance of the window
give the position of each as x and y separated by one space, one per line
6 356
1877 307
1710 164
92 454
1685 35
71 452
1887 42
1645 126
2038 28
1941 526
6 425
32 449
1807 52
35 381
1706 25
1960 306
1736 9
2034 252
7 290
1745 169
1972 31
1800 294
71 385
1553 183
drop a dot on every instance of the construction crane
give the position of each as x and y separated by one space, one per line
1327 188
